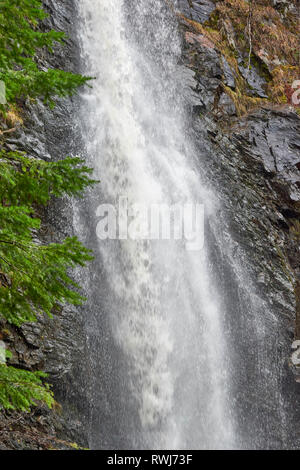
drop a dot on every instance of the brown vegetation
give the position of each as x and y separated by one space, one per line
264 37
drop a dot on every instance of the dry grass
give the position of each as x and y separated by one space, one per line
274 47
13 117
280 87
242 101
268 31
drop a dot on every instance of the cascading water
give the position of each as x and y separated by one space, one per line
163 307
159 367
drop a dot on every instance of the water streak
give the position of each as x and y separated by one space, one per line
161 305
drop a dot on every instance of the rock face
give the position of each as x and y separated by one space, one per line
199 10
254 159
263 145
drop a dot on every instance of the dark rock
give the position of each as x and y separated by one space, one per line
197 10
229 78
187 77
285 6
33 142
272 137
31 431
254 163
32 334
228 30
278 3
227 105
207 67
255 81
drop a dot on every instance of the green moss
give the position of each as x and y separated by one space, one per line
213 20
284 263
242 101
261 68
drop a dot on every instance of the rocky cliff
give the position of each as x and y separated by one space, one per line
240 61
245 60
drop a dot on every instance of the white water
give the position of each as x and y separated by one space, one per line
164 311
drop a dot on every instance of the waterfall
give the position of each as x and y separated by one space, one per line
160 301
160 364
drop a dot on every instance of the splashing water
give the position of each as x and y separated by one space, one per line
156 302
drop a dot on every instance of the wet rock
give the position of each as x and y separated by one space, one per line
206 64
255 160
197 10
229 77
212 72
32 334
254 79
272 137
227 105
187 77
228 31
284 6
279 3
256 166
295 360
33 142
31 431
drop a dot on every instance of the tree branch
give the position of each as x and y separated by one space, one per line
249 26
9 131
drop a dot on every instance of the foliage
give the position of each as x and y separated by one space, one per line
34 275
24 179
35 83
20 389
20 40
